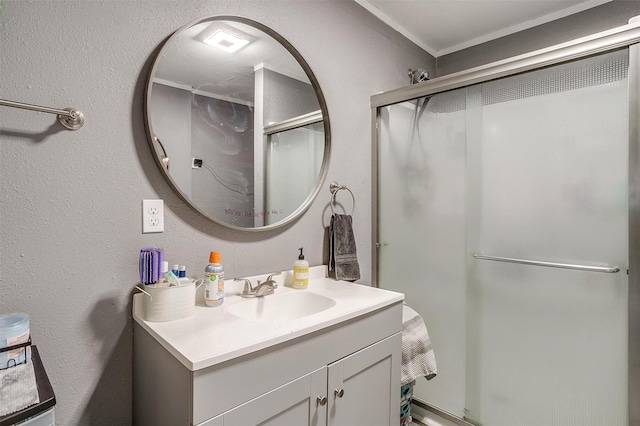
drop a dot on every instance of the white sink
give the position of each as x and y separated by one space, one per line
281 307
242 326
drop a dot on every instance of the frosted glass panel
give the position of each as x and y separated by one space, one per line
293 162
532 166
549 346
422 229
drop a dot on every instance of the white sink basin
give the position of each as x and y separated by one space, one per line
281 307
242 326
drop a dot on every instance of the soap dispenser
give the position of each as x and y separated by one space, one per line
300 272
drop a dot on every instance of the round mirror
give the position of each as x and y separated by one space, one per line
237 123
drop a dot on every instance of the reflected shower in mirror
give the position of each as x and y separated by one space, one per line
241 135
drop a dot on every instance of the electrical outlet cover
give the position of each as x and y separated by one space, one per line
152 216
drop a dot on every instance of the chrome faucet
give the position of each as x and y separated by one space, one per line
261 289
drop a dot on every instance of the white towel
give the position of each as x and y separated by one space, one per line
418 359
18 389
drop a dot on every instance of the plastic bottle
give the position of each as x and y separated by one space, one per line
164 270
168 278
14 329
214 281
300 272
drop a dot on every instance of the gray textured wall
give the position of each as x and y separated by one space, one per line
70 221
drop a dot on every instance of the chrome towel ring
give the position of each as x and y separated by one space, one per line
335 187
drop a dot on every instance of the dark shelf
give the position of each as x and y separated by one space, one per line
45 393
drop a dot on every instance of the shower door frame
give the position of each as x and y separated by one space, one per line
626 36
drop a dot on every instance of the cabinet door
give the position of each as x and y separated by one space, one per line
364 388
216 421
295 403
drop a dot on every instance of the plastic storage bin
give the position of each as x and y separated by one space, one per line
48 418
14 329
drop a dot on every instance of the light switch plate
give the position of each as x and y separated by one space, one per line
152 216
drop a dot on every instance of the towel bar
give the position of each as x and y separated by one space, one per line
70 118
606 269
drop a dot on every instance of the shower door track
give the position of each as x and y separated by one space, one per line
616 38
441 413
623 37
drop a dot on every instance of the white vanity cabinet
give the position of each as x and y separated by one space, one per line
367 382
337 369
357 390
295 403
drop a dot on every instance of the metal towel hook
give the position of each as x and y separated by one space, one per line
334 187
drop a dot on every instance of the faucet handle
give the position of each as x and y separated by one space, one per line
247 285
265 288
270 278
271 284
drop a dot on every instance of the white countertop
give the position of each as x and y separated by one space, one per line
213 335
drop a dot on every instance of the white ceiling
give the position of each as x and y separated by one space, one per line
187 63
445 26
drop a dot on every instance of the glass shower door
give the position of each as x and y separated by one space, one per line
547 345
292 166
531 167
422 229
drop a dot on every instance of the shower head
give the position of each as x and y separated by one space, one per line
418 75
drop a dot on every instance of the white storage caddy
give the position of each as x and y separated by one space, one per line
164 302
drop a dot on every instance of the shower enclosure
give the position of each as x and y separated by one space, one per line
506 210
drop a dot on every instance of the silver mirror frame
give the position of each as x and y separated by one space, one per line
321 101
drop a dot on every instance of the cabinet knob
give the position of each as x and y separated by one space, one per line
321 400
338 392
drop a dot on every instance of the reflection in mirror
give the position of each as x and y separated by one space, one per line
242 135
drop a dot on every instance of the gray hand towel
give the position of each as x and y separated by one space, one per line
342 248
